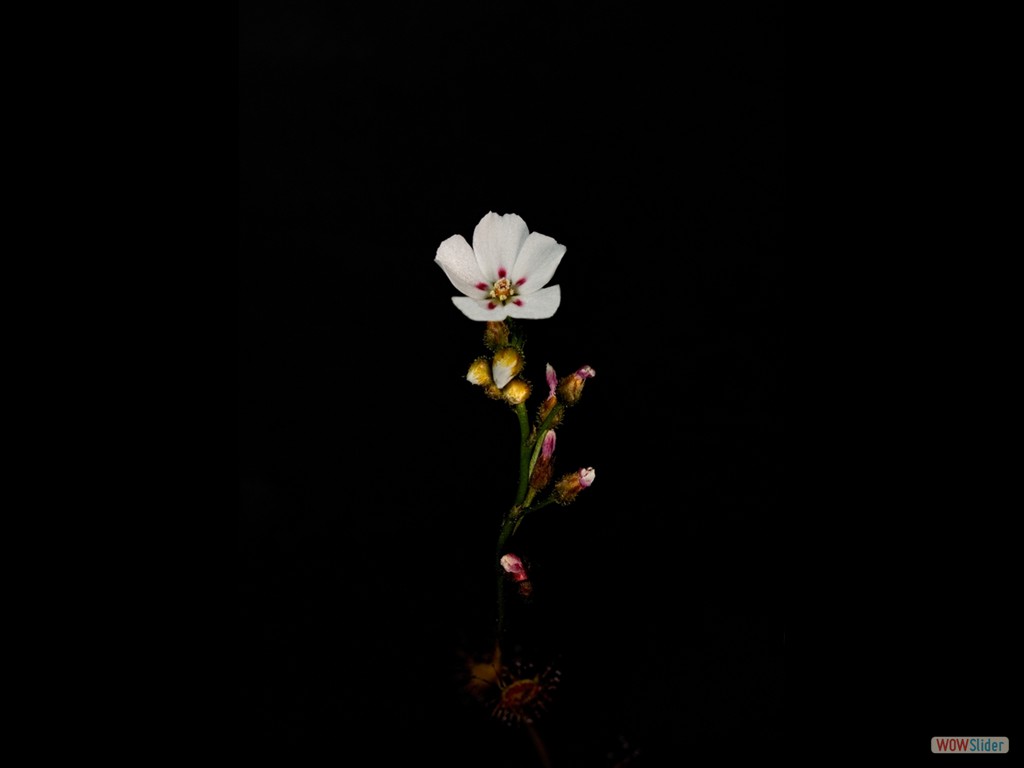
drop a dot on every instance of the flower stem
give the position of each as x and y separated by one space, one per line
526 510
524 452
538 743
507 527
508 524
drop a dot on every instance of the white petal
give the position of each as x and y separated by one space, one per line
512 563
478 310
536 306
538 259
501 373
458 261
497 240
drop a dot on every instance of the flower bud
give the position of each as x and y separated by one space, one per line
569 486
514 566
495 334
545 407
571 387
480 372
552 379
506 365
517 391
547 448
544 468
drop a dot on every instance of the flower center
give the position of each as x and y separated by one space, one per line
520 694
502 290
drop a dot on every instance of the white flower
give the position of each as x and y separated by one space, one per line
504 273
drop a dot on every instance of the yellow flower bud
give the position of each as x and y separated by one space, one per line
480 372
516 392
506 365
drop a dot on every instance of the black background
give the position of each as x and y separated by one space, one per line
676 592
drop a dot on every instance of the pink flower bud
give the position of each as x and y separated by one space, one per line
544 468
512 564
548 446
586 372
569 486
570 388
552 377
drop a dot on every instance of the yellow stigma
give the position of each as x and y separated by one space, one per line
502 291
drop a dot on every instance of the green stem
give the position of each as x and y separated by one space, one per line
524 453
542 430
527 456
538 447
522 516
507 527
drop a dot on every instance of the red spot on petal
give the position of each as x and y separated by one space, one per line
491 305
518 302
501 272
481 286
520 281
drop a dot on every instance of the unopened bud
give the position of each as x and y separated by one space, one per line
515 568
480 372
571 387
552 399
545 408
517 391
552 379
495 334
569 486
514 565
506 365
544 468
547 448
